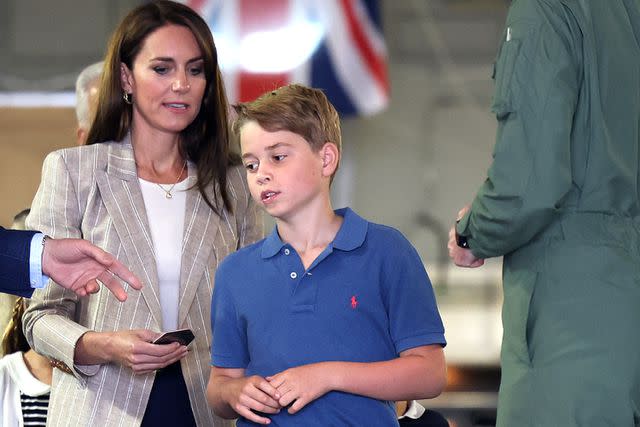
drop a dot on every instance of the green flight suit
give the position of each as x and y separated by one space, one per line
561 203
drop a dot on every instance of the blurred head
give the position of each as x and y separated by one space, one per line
19 219
87 89
204 140
295 108
13 339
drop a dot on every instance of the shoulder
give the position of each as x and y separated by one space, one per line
386 236
236 262
6 368
542 12
361 234
239 272
10 362
390 249
94 154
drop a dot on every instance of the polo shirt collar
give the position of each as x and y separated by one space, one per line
350 236
272 244
352 231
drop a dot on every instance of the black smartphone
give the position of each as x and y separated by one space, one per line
182 336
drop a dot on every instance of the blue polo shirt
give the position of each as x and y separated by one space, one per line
366 298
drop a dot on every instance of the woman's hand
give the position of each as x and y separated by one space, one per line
130 348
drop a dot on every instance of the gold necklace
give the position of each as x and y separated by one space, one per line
167 193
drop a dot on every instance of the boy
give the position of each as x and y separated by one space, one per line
330 318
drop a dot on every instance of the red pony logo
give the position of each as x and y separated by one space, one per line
354 302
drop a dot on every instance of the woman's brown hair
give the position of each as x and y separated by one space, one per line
206 140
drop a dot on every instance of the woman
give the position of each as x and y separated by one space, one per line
155 187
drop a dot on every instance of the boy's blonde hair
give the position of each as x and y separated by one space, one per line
295 108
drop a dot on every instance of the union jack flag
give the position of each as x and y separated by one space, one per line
334 45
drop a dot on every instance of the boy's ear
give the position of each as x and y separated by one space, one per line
330 158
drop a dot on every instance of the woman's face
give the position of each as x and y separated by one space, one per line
167 81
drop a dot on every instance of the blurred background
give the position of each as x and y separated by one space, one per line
412 79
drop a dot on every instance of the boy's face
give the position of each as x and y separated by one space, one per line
286 176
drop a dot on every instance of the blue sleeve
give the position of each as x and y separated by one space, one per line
14 262
413 313
229 345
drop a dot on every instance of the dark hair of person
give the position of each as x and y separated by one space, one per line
13 339
206 140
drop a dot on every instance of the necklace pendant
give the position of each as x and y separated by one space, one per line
168 195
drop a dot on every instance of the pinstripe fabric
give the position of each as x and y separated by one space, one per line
93 192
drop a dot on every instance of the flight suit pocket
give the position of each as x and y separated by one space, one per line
504 69
519 286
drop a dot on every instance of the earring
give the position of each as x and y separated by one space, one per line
127 97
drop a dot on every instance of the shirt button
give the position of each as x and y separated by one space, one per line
287 251
293 275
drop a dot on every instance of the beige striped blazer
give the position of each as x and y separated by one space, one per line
93 192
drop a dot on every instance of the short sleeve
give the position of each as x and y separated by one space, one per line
413 313
229 345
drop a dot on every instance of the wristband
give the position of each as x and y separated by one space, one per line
461 241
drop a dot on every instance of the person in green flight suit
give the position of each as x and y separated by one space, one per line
561 204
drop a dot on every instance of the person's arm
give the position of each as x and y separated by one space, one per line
419 373
538 75
26 263
14 262
231 395
229 392
49 321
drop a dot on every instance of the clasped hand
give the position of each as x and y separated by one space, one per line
294 388
461 257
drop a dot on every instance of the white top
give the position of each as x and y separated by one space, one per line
15 378
166 221
414 411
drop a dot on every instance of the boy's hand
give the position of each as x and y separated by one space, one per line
248 394
301 385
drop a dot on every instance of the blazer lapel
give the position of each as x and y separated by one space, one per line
201 225
121 194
